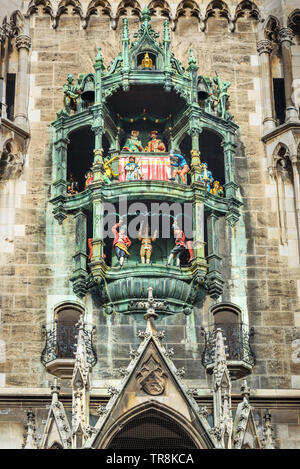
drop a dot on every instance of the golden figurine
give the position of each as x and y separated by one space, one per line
108 172
217 189
147 62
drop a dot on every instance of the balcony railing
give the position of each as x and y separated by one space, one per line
61 342
238 347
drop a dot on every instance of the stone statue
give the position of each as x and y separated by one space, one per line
132 170
179 247
220 92
121 241
146 244
71 94
217 189
132 144
180 166
155 144
108 172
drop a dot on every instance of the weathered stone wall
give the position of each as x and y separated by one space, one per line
36 253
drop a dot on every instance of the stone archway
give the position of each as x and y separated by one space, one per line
151 430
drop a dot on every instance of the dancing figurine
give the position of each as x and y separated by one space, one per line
89 178
72 186
133 144
71 94
108 172
121 241
155 144
180 166
146 244
179 247
132 170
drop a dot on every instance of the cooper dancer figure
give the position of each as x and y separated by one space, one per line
121 242
179 247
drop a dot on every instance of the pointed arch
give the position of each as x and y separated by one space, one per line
188 5
271 28
248 9
294 21
217 8
40 7
153 408
160 8
99 8
17 20
69 6
129 8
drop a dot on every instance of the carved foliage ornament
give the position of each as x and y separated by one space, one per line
264 47
151 378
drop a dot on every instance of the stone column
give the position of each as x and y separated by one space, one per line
285 36
296 178
214 277
98 214
264 49
5 71
80 256
23 44
198 229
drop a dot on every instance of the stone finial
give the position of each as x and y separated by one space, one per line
150 306
245 390
125 35
268 439
146 16
30 437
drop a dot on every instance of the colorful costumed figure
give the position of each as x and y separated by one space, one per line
155 144
89 178
72 186
108 172
217 189
132 143
180 166
121 242
179 247
146 245
206 176
132 170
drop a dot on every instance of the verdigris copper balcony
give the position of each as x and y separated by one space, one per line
60 347
240 356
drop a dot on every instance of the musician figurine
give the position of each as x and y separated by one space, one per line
108 172
179 247
180 166
132 170
155 144
206 176
146 245
217 189
89 178
121 241
72 186
133 144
